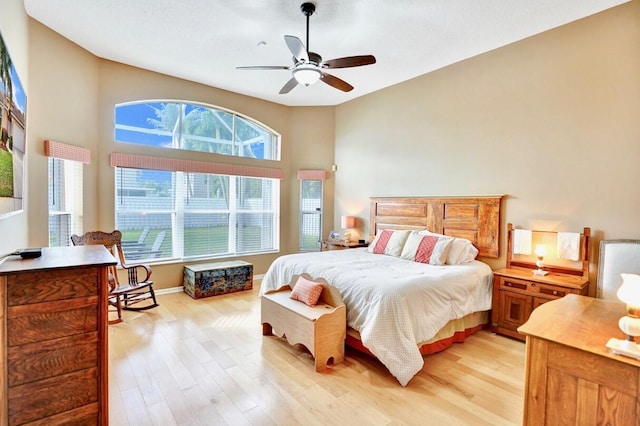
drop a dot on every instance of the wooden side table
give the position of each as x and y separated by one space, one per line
340 245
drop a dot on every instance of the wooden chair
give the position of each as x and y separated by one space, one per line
122 296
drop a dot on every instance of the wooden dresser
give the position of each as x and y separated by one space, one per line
53 337
571 377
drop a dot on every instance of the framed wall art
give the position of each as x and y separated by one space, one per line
13 124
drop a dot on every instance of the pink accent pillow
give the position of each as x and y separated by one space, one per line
306 291
430 249
425 249
462 250
389 242
382 242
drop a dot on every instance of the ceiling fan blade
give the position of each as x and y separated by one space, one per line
297 48
265 67
289 85
349 61
336 82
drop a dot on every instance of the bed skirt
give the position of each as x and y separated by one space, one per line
455 331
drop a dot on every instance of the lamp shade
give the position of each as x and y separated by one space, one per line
306 74
347 222
629 291
540 250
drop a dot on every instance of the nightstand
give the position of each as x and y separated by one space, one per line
517 292
340 245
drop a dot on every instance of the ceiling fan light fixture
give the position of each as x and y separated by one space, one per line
308 67
307 74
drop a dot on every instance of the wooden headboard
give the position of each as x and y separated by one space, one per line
474 218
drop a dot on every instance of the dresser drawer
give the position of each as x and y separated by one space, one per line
26 326
41 360
45 286
50 397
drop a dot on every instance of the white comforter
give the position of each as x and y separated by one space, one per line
393 303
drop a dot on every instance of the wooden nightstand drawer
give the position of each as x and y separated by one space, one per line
513 283
554 291
509 283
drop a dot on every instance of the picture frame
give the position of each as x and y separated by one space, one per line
334 236
13 124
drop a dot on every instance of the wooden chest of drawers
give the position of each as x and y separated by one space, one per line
54 337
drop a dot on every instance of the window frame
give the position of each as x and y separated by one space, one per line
179 212
305 214
205 162
65 189
178 134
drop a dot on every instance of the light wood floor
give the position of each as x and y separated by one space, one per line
205 362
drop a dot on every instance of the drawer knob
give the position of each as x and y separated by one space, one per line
533 284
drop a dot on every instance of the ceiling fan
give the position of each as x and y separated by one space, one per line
308 66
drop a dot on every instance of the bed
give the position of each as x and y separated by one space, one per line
398 309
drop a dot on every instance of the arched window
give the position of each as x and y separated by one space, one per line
171 208
194 127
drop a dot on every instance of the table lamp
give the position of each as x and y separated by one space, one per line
540 252
347 222
629 293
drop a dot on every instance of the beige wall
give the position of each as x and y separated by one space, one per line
551 121
120 83
14 27
62 107
71 97
311 147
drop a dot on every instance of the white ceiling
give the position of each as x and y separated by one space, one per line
204 40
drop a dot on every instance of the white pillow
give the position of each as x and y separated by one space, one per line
461 251
388 242
431 249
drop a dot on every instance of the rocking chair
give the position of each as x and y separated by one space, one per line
122 296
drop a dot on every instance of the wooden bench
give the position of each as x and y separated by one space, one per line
321 328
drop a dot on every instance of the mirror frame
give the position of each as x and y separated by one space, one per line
616 257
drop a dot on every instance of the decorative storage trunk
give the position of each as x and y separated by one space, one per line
212 279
